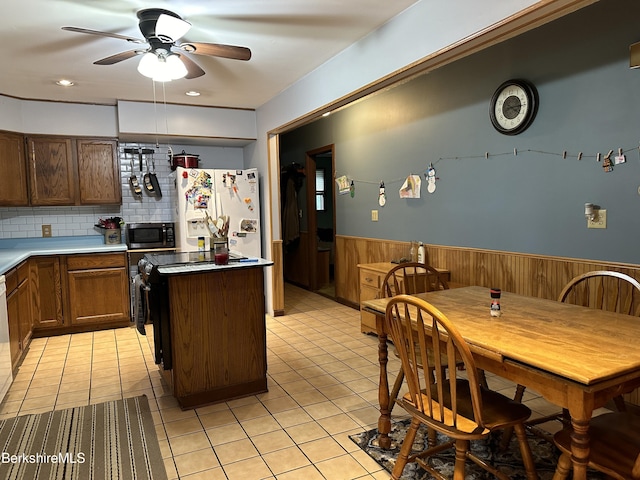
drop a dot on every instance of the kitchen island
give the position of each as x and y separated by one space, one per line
209 328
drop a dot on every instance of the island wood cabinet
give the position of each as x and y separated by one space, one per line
46 292
19 311
371 277
218 335
13 164
73 171
98 289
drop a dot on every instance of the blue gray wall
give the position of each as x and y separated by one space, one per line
532 202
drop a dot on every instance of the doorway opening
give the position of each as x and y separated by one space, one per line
321 220
309 258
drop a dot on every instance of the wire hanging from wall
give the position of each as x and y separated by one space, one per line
608 164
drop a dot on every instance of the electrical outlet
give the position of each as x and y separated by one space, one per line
46 230
600 221
374 215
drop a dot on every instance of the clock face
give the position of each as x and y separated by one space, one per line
513 107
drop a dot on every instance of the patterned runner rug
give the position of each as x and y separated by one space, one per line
545 455
111 440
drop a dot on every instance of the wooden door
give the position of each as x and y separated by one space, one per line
13 311
98 296
24 305
14 189
46 292
98 172
52 172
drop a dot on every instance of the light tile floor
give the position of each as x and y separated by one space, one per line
323 387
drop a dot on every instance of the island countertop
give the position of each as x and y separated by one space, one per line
211 266
15 250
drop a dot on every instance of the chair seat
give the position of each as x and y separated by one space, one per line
498 411
614 442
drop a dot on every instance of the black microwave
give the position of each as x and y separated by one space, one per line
150 235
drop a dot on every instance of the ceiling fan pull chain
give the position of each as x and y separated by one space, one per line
155 108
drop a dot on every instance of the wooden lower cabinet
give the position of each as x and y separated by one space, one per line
19 311
46 292
98 289
74 293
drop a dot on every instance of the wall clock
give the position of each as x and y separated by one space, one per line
513 106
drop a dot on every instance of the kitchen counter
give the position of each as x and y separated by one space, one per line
15 250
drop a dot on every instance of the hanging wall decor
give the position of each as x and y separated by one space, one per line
411 187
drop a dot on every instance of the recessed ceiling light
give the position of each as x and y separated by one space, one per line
64 83
193 93
326 114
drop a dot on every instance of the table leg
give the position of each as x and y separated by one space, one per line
384 422
580 447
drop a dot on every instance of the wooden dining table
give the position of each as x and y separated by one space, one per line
576 357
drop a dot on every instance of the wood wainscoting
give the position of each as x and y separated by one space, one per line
278 279
533 275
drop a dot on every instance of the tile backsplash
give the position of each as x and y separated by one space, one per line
19 222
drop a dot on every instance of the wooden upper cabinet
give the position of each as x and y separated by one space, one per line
73 171
52 172
98 172
13 181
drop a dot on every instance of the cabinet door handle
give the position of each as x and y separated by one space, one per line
368 279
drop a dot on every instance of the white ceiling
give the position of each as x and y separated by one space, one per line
288 39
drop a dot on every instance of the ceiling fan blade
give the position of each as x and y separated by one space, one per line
103 34
193 69
118 57
217 50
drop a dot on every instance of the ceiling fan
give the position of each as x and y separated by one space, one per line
161 30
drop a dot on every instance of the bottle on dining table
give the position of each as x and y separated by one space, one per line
495 302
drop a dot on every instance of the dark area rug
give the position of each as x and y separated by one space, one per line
545 455
107 441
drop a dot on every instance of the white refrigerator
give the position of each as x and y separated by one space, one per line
206 195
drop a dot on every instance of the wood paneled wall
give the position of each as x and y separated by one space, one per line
533 275
278 280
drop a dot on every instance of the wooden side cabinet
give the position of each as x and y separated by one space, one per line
14 189
52 171
371 276
98 289
46 292
98 172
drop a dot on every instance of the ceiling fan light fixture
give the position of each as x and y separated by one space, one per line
162 68
171 28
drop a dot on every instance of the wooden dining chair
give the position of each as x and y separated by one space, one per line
603 290
459 408
410 278
614 447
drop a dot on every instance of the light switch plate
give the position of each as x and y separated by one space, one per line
600 221
374 215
